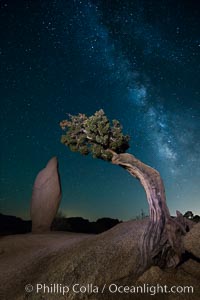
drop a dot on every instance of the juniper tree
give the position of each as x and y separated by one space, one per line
161 243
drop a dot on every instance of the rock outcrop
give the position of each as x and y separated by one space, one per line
108 258
46 197
172 284
186 276
192 241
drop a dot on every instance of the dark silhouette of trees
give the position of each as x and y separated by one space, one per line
189 215
161 243
78 224
13 225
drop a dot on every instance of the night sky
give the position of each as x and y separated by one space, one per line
138 60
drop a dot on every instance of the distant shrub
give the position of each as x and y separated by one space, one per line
60 215
189 215
142 215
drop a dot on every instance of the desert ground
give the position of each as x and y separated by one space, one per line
111 257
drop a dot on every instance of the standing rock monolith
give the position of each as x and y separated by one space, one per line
46 197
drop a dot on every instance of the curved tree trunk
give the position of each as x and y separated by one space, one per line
162 240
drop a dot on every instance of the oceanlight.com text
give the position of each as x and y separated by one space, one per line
62 289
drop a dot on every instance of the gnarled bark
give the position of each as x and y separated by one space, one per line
161 243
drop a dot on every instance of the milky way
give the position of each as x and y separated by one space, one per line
138 61
166 131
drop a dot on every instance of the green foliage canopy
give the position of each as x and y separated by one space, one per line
94 134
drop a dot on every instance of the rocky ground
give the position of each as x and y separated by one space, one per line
109 258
